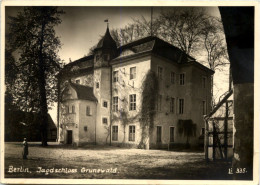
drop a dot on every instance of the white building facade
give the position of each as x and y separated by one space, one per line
100 96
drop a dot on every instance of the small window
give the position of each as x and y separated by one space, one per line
85 128
131 133
77 81
97 85
159 72
73 109
115 104
172 77
114 133
159 134
88 111
204 82
132 101
105 104
181 106
132 73
67 109
202 131
204 108
104 120
115 76
159 102
182 79
70 109
172 105
171 134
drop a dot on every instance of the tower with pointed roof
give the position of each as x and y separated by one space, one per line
104 52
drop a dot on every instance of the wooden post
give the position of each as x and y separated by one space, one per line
214 140
226 131
206 140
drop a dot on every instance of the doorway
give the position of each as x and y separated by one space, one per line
69 136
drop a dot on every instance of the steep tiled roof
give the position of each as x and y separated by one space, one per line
156 46
84 92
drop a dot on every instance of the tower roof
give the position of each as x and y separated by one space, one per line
107 42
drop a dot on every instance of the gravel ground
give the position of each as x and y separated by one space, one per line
108 162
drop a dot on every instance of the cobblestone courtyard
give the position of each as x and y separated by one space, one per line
108 162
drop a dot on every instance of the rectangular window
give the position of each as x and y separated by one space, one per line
88 111
204 82
114 133
115 104
105 104
78 81
181 106
204 110
97 85
172 105
132 73
132 101
115 76
85 128
202 131
73 109
182 79
104 120
159 102
70 109
172 77
159 72
131 133
159 134
171 134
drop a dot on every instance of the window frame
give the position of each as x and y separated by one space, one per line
103 104
97 85
88 110
159 137
115 104
115 76
181 106
77 81
204 107
131 135
182 80
132 102
104 118
160 73
172 139
132 75
114 137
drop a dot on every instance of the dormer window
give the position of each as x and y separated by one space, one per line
78 81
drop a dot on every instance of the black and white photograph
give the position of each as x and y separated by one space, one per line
128 92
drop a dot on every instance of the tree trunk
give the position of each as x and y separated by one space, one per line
42 90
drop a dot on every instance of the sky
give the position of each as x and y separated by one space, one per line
82 27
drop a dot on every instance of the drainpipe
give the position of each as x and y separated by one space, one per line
96 124
111 99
